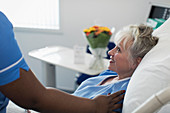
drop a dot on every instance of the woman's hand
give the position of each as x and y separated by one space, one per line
106 104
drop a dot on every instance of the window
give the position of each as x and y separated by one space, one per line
38 14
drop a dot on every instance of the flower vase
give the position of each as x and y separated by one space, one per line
97 61
98 38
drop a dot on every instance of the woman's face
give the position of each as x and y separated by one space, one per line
119 61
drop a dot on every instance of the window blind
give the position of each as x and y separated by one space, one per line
41 14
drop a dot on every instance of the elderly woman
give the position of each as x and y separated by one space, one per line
132 44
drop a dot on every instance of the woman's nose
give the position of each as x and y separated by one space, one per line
111 52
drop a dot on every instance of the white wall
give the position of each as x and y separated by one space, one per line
77 15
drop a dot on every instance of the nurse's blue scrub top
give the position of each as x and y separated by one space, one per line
11 59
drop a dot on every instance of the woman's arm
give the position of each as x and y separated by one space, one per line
29 93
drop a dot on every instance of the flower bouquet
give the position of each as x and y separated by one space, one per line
98 38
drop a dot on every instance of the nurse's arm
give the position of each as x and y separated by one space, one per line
29 93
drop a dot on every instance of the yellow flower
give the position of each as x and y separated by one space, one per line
92 29
86 30
98 30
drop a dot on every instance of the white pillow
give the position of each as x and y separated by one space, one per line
153 73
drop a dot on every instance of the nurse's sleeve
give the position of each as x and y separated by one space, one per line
11 58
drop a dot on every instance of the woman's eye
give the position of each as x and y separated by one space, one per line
118 49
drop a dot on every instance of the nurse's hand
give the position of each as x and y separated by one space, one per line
106 104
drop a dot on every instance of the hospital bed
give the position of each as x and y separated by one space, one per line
155 102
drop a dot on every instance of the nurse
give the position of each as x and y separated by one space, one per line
19 84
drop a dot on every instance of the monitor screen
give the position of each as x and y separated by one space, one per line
159 12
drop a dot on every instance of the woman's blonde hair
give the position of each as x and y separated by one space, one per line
140 39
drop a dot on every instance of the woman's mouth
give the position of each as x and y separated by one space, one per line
112 61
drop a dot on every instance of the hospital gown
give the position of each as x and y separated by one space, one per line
90 88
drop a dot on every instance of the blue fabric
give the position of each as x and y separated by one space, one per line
3 103
90 88
11 59
107 72
83 77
